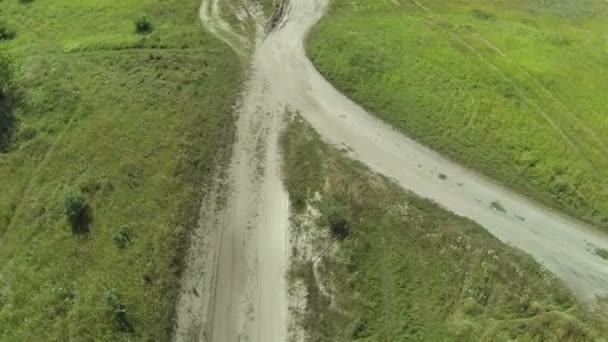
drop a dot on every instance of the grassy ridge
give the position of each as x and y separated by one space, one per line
518 90
139 125
408 270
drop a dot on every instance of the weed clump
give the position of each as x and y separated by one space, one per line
143 25
77 211
6 32
482 15
603 253
498 207
123 237
118 312
7 101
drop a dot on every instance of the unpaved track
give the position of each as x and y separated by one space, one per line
244 296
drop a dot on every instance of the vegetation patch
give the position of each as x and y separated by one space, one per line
143 25
495 205
7 97
127 129
409 270
6 32
515 89
78 212
602 252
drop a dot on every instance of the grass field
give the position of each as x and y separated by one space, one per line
137 124
515 89
403 269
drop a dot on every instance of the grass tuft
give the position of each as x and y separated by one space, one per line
495 205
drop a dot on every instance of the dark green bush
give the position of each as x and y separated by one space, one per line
336 218
77 211
143 25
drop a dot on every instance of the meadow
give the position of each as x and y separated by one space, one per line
515 89
129 129
381 264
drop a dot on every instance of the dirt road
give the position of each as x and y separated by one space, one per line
242 287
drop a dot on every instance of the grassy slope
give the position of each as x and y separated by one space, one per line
140 131
518 90
410 271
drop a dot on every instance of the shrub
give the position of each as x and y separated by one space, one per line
6 70
482 15
118 312
143 25
6 33
7 101
603 253
123 237
77 211
335 216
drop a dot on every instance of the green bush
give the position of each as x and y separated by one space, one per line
7 102
6 33
335 215
77 211
123 237
118 312
143 25
6 70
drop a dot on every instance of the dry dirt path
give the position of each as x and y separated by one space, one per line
241 278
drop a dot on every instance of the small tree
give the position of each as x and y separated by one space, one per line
77 211
143 25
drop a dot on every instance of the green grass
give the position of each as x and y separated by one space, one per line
515 89
410 271
139 125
